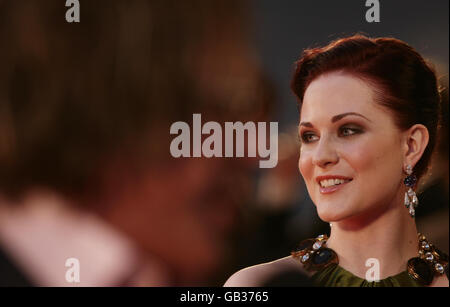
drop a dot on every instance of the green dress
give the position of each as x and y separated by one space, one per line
336 276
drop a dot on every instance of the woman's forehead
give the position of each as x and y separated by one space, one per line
337 93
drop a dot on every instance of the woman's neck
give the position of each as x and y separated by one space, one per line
390 238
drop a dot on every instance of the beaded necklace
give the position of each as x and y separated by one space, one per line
431 262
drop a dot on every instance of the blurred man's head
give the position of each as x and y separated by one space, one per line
85 110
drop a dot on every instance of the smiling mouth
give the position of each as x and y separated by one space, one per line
332 185
332 182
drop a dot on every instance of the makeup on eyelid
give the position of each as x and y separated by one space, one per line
355 130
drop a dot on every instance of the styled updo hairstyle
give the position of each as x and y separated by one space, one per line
401 79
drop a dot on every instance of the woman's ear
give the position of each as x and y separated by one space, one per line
415 142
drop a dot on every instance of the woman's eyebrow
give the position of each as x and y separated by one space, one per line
306 124
335 119
340 116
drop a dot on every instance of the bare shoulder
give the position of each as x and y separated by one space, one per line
255 275
441 281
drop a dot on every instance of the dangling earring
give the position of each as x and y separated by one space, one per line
411 200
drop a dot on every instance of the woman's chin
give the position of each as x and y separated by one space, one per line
330 215
327 217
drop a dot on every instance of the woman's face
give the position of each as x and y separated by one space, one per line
345 135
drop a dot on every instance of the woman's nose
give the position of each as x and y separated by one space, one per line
325 154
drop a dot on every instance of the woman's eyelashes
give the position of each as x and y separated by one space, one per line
309 136
349 131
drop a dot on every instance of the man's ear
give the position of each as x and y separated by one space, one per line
415 141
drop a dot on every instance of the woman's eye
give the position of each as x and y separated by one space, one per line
308 137
346 131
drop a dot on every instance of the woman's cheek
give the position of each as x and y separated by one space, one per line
358 154
305 165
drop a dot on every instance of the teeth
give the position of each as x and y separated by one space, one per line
331 182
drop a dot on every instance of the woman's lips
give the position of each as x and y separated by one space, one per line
332 188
